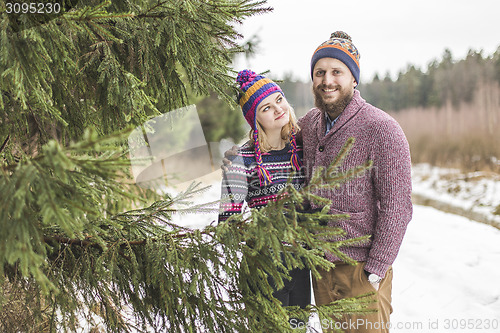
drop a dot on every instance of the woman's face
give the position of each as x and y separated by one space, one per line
273 112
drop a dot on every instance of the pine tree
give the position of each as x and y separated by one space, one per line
81 244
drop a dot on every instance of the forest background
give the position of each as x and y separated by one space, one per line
73 236
449 111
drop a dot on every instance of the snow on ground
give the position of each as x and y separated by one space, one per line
476 192
447 274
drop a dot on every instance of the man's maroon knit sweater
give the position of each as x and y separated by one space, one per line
378 202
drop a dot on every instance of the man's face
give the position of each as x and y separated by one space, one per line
333 85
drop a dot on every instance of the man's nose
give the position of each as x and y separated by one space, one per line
328 79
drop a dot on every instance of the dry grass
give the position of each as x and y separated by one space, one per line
465 136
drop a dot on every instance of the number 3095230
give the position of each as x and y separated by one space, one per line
33 8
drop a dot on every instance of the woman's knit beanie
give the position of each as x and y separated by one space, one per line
254 88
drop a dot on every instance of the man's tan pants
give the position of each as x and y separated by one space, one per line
349 281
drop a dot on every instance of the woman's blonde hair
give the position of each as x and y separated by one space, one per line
286 132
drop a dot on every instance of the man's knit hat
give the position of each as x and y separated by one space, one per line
254 88
340 47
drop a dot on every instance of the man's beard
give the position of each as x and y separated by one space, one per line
336 107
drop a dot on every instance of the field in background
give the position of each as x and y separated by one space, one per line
466 136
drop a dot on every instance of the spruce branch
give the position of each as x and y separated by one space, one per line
275 236
4 144
77 235
169 265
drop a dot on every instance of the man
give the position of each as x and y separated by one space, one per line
378 203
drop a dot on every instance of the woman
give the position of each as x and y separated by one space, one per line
262 168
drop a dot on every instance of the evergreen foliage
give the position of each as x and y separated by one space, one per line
84 260
114 64
81 245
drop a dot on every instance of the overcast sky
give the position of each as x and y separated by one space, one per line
389 34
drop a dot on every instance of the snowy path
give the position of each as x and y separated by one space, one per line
447 275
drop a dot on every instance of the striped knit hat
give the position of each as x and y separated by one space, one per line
254 88
340 47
